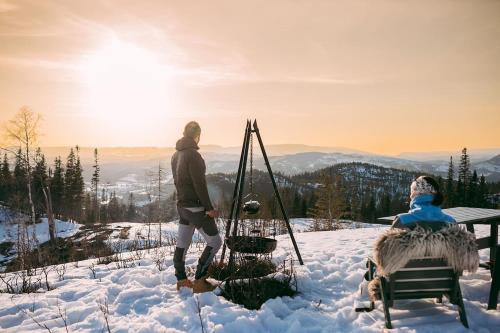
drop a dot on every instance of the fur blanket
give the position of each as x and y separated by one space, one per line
396 247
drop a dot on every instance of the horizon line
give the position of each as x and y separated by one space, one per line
458 150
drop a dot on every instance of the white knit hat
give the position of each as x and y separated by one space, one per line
421 186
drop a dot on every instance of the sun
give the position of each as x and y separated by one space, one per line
124 85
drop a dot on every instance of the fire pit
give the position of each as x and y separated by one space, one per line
251 244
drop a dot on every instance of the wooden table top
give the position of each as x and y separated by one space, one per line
461 215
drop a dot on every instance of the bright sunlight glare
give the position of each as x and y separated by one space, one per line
123 80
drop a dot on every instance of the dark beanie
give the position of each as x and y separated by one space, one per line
192 129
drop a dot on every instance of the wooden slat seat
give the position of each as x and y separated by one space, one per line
422 278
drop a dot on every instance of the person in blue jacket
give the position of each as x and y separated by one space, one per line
426 199
425 211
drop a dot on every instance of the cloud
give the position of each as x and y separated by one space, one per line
29 34
33 62
321 80
208 76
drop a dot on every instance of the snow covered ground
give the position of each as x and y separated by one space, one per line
8 233
139 231
130 235
305 224
143 299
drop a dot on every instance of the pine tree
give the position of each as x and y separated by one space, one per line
482 193
49 206
57 188
78 186
304 208
341 207
472 195
88 208
459 194
296 207
311 203
131 208
385 205
104 196
371 209
104 212
69 179
356 207
322 209
440 182
73 185
450 189
40 178
114 209
160 212
332 203
464 176
95 186
20 184
5 180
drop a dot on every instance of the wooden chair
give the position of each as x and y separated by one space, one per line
421 278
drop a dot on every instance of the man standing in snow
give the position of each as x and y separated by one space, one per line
195 209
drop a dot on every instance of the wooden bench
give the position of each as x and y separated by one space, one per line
421 278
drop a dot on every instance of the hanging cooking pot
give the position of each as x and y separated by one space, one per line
251 207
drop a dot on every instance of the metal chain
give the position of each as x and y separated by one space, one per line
251 177
251 164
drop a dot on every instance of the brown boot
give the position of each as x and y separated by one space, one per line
202 286
184 284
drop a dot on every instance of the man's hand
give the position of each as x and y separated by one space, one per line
213 213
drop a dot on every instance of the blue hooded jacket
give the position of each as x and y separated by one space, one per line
422 210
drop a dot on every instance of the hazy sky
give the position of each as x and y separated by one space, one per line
380 76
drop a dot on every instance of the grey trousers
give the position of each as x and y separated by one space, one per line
188 222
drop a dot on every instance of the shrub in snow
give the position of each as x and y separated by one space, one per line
251 281
242 269
252 293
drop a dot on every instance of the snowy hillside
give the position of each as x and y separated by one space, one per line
490 167
144 299
8 234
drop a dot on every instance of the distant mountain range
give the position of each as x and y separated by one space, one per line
297 163
476 155
490 168
118 163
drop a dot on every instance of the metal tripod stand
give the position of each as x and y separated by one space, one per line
232 222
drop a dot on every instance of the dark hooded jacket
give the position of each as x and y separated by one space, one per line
188 169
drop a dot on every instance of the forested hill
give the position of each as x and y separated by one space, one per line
365 191
362 178
357 190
